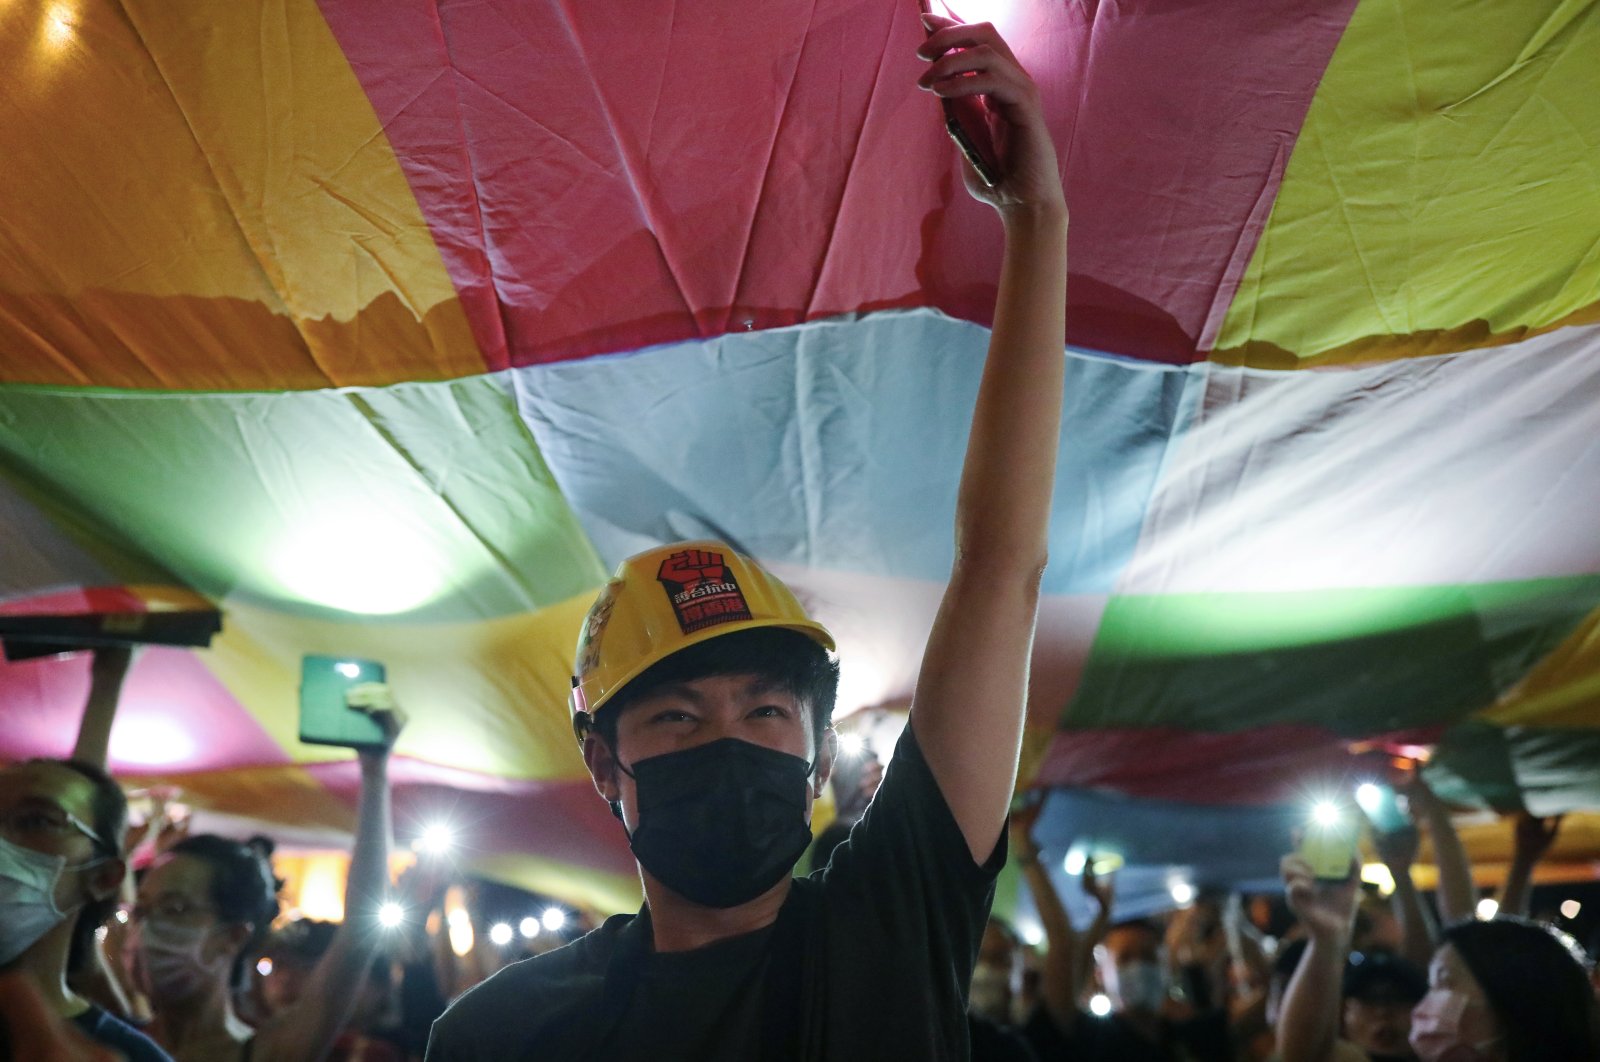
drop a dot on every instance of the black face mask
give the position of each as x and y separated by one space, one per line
723 822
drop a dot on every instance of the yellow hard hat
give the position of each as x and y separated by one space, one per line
667 599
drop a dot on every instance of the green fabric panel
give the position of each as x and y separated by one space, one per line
1546 772
1356 661
1443 187
426 501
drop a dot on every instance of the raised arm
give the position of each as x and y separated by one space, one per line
968 707
1398 851
1534 836
106 674
1102 889
1058 987
1308 1021
1457 895
308 1028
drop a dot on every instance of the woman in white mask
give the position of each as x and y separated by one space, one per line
1508 990
206 905
62 826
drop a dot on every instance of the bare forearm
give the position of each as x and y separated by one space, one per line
106 675
1457 896
1059 982
1083 962
369 859
1417 930
1514 893
308 1028
1003 509
1308 1022
972 690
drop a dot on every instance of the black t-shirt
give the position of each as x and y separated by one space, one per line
117 1034
870 959
993 1042
1110 1039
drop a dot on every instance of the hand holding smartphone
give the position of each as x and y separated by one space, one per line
967 121
1328 841
338 699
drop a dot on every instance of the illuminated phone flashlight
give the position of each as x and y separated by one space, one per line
1326 813
348 670
500 934
554 918
391 914
435 840
1370 797
852 744
529 927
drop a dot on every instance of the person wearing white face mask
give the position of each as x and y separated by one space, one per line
62 825
206 904
1505 990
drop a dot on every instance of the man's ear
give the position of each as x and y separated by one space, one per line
105 879
826 751
602 764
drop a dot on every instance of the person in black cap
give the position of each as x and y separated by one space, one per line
1380 989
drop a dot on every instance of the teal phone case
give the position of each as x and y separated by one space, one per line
325 719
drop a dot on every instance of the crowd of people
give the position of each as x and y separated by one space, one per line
702 700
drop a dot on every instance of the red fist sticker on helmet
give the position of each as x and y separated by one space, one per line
702 589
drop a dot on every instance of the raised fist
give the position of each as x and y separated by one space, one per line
689 568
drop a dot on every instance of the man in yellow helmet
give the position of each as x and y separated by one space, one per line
702 695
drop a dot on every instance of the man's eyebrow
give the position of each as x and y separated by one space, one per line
678 689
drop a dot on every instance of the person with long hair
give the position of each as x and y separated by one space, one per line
1507 990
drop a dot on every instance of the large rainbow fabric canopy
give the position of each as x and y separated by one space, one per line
393 326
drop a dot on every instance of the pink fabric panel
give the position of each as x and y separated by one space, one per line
1265 765
174 715
603 177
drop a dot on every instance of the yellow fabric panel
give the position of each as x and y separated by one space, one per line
292 795
1489 849
216 203
484 696
1443 194
592 890
1562 691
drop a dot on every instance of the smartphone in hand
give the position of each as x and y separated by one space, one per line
1328 841
1382 806
967 121
326 716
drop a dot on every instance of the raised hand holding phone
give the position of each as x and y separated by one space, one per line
987 91
345 701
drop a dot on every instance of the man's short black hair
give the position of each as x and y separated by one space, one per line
1382 977
789 660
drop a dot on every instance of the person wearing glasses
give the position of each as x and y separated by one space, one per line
203 910
62 827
